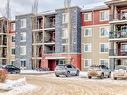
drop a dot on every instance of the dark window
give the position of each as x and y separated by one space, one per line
12 62
23 63
13 51
13 38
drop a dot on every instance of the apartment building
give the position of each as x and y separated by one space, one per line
95 36
80 37
43 40
118 34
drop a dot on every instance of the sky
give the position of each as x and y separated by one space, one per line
25 6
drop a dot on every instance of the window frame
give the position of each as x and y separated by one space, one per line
65 33
23 23
105 27
88 49
90 60
24 65
13 39
100 14
100 47
105 60
22 36
24 47
91 32
13 27
89 16
12 51
12 62
65 18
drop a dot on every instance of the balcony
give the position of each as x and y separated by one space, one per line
49 40
38 23
118 18
118 35
117 53
49 37
49 22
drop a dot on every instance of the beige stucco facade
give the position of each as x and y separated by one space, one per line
12 46
95 40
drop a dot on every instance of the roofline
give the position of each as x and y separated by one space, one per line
50 12
70 8
115 2
47 13
103 7
23 14
3 17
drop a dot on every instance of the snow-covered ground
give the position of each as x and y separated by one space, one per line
14 87
83 74
34 72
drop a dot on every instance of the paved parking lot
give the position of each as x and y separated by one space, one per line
51 85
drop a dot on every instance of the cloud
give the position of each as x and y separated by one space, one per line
25 6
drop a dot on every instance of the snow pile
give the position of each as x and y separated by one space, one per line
14 87
34 72
15 83
83 74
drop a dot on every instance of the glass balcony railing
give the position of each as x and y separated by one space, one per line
117 34
52 52
118 52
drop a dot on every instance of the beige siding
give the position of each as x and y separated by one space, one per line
12 45
95 55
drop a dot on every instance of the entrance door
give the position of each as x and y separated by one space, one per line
118 62
51 65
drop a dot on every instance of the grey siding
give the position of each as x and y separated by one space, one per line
75 35
28 42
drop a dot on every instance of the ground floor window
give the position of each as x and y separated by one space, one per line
62 62
87 63
12 62
104 62
124 62
23 63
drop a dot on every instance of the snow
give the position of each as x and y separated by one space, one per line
83 74
34 72
14 87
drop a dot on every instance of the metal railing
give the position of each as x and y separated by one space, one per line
119 16
117 34
52 52
118 52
